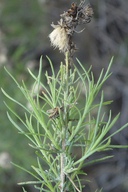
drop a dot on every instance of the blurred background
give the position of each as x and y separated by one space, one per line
24 30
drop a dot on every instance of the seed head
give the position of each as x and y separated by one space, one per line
59 38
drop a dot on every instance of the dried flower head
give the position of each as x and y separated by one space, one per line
54 113
61 36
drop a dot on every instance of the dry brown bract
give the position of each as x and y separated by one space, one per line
54 113
61 36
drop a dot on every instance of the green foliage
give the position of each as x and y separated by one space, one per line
56 126
11 143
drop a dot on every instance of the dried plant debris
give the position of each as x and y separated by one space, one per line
61 36
54 113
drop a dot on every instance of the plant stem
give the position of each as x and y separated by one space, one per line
62 159
65 84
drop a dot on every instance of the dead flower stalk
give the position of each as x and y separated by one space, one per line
62 35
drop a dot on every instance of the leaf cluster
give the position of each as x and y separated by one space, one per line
57 127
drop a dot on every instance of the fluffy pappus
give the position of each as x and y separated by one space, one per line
59 38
